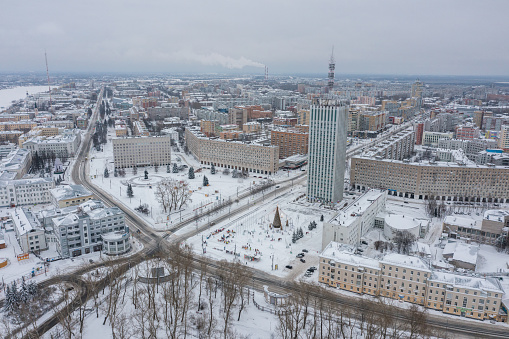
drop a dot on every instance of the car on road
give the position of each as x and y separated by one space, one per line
278 186
289 267
302 260
364 242
305 250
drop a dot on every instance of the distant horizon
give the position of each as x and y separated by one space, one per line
231 73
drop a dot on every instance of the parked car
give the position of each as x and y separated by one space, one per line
305 250
364 242
313 268
302 260
300 255
289 267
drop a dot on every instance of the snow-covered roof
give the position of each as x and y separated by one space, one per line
457 280
70 219
466 253
463 221
496 215
343 253
398 221
406 261
449 248
114 236
69 191
24 220
356 208
100 213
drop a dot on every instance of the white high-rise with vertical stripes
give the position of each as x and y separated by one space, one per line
327 151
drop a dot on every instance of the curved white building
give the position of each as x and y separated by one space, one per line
398 222
115 243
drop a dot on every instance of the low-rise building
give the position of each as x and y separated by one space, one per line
82 232
494 224
25 192
29 232
140 129
354 220
411 279
432 138
70 195
64 145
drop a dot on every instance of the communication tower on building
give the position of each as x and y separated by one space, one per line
332 66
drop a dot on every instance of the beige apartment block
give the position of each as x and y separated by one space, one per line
410 279
142 151
250 157
439 180
21 125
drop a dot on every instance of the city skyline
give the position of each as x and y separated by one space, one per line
431 38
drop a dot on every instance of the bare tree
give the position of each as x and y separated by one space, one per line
403 241
230 290
416 326
66 318
211 291
172 194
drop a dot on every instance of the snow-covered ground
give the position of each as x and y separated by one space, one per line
221 187
250 235
34 269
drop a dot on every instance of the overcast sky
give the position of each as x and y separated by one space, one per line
438 37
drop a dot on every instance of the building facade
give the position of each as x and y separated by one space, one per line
354 221
25 192
142 151
290 142
64 145
410 279
248 157
398 147
29 232
70 195
82 232
440 180
327 151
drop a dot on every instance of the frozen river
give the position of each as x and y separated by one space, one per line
10 94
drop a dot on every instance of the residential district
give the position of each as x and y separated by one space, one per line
395 188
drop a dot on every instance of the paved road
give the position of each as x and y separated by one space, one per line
161 243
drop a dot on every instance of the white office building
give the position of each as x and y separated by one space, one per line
29 232
355 220
327 151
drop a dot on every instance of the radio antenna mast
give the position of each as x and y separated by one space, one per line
47 74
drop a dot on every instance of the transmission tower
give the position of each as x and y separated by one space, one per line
332 66
47 73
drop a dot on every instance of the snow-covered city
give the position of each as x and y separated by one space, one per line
217 199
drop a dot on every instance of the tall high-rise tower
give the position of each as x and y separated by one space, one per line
332 67
327 151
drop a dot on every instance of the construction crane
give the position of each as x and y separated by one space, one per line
47 74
